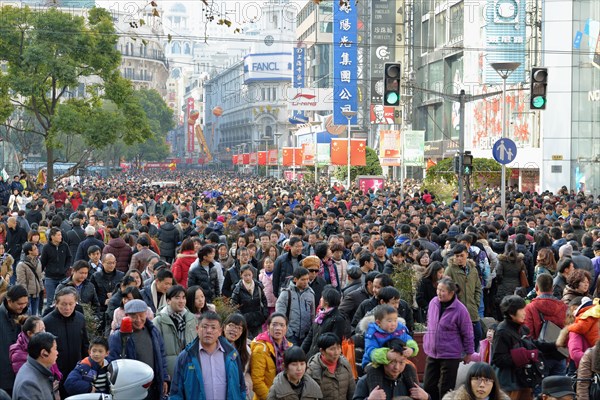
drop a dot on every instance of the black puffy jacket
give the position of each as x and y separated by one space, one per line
208 281
169 237
105 283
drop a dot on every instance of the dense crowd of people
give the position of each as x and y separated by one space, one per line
239 287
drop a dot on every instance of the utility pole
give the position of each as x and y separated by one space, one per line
462 98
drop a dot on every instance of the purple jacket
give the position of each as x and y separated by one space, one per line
451 336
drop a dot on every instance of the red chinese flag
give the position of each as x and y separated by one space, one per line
339 151
358 152
234 159
246 158
298 157
253 158
288 156
262 158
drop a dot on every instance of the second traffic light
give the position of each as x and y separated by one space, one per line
467 163
392 72
539 88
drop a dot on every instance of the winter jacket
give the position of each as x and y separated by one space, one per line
6 268
252 306
105 283
15 239
461 394
18 355
150 296
552 309
339 385
267 282
558 286
74 237
181 266
352 300
82 249
208 281
588 366
426 291
510 335
160 363
81 379
168 331
333 322
139 260
71 338
188 382
262 365
86 291
282 390
282 270
507 275
569 294
393 388
301 310
169 237
35 382
56 260
122 252
9 331
449 335
376 338
30 275
470 285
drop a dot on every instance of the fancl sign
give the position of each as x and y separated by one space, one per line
265 66
594 95
268 67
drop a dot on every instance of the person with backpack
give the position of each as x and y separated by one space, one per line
297 303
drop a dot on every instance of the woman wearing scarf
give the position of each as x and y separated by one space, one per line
249 296
267 355
176 324
328 270
329 319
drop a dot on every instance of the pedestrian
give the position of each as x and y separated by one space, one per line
331 370
12 311
293 383
91 374
210 367
297 302
56 260
30 275
249 296
481 384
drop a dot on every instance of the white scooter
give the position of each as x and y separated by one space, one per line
128 379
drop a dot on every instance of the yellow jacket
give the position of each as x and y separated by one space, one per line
262 366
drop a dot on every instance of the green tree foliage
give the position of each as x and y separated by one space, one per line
373 167
486 173
49 54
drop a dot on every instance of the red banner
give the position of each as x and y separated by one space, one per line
358 152
288 156
234 159
272 157
298 156
262 158
246 158
339 151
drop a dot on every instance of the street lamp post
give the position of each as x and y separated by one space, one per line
504 69
348 114
276 137
314 135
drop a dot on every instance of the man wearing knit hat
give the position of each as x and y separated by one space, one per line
145 344
316 283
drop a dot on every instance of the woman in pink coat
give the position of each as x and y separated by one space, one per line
18 351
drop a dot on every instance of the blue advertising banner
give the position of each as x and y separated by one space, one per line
505 38
299 76
345 41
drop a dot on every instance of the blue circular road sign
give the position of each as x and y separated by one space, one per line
504 151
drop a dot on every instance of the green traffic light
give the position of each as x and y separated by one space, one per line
538 101
392 98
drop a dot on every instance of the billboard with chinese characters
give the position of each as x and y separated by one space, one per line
383 38
390 148
505 38
345 49
190 126
298 76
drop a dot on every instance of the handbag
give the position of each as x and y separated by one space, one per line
523 279
549 333
348 351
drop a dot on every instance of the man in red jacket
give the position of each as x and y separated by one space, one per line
551 309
